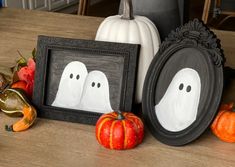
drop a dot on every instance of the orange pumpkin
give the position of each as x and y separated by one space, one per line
224 124
119 130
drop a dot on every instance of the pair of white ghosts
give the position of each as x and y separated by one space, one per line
178 108
81 90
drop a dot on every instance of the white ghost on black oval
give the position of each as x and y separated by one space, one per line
178 108
95 95
71 85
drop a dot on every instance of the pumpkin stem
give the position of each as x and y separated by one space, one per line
127 10
120 115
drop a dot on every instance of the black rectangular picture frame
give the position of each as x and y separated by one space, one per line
47 45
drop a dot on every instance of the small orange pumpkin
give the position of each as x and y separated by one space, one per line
119 130
224 124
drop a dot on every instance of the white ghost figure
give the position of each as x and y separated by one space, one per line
178 107
95 95
71 85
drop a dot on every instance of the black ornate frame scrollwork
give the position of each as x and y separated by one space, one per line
193 37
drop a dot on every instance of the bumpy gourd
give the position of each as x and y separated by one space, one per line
135 30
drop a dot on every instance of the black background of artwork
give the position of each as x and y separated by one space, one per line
184 58
111 65
55 52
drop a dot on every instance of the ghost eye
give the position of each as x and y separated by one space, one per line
93 84
98 85
77 77
188 89
71 76
181 86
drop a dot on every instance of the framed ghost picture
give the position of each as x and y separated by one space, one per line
184 84
78 80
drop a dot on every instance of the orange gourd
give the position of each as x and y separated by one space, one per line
224 124
13 102
29 116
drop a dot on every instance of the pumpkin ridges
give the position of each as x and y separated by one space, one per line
118 135
110 32
114 29
223 135
124 132
105 134
136 128
144 62
111 134
98 128
231 126
120 33
150 35
141 129
101 30
154 33
130 134
220 126
215 122
127 114
119 132
224 124
139 126
109 115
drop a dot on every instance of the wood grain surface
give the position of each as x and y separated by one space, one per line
56 144
19 30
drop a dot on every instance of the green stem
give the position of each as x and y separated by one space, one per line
21 55
127 10
120 115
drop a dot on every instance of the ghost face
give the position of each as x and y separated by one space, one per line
71 85
95 95
178 107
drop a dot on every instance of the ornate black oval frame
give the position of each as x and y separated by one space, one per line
192 37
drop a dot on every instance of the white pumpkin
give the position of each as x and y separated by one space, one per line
135 30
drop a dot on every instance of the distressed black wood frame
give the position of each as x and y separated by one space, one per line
192 35
128 51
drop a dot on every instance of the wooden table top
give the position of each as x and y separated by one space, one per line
56 143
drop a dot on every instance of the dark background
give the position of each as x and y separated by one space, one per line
111 65
184 58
